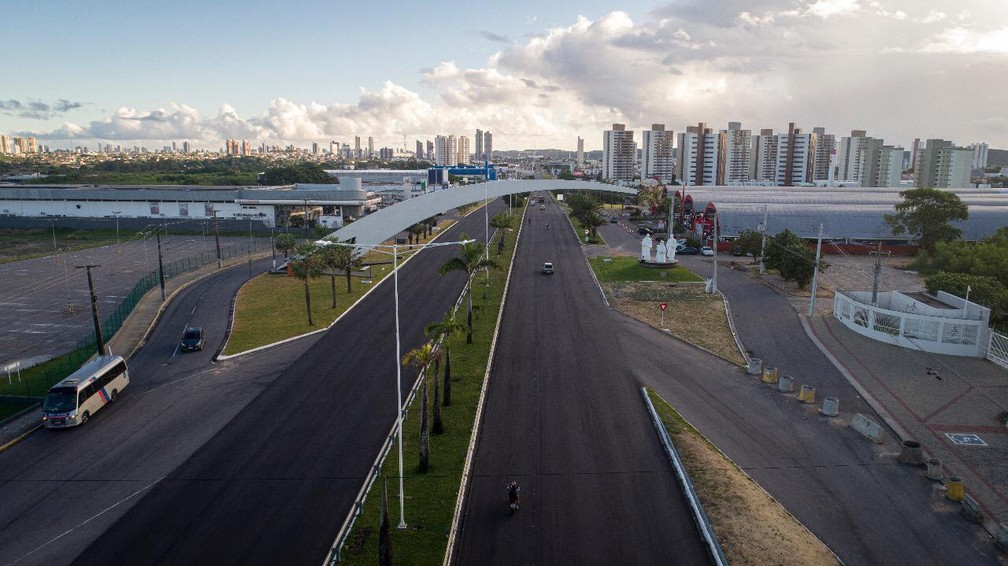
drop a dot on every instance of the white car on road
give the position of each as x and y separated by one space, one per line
707 250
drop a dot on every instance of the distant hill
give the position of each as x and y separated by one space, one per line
997 157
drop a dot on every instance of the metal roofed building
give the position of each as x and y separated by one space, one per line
851 214
267 205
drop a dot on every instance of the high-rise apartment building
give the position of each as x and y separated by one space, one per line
915 151
4 144
314 148
246 148
357 148
479 156
445 150
370 147
734 155
943 165
849 156
186 148
488 145
656 153
794 157
462 151
698 156
979 155
429 153
580 152
419 150
763 158
881 165
619 154
823 154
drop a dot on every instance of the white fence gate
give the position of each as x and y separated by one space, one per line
997 351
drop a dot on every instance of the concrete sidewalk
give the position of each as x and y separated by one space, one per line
965 397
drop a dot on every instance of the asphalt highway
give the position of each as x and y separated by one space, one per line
565 418
60 489
274 484
850 492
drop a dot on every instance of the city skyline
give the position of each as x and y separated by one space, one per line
538 76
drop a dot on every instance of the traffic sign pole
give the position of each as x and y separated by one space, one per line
663 306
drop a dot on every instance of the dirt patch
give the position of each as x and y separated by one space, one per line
692 315
752 527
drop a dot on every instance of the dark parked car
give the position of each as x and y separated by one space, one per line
643 230
192 339
612 220
687 250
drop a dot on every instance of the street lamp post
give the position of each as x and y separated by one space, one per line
384 248
116 213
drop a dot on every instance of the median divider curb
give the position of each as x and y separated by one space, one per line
699 515
19 438
478 419
731 327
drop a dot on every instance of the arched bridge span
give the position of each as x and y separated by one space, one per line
379 226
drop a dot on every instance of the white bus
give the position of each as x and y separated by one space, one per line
74 400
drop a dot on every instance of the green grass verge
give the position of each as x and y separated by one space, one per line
579 228
430 498
36 380
624 268
271 307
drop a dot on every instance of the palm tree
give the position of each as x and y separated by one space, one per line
445 327
328 257
471 259
415 231
306 268
419 359
347 259
286 242
501 222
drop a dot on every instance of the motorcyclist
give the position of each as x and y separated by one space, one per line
530 219
514 495
547 225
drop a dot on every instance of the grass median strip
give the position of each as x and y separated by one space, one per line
271 307
430 497
752 527
691 314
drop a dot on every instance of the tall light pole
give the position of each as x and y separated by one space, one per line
384 248
815 273
116 213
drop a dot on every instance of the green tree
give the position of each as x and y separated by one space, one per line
346 258
445 327
986 291
307 267
286 242
470 260
926 216
502 222
329 257
302 172
749 243
419 359
791 256
987 258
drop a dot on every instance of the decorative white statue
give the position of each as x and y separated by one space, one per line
660 252
645 248
671 250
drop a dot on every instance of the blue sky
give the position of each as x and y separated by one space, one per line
536 73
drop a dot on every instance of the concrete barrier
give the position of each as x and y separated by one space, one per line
769 375
911 454
867 427
785 384
954 488
807 394
830 407
755 366
971 509
934 470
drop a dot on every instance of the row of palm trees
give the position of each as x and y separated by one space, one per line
312 259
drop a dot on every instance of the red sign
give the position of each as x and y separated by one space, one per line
663 306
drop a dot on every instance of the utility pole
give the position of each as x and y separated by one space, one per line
216 231
815 273
878 273
160 262
94 309
762 249
715 235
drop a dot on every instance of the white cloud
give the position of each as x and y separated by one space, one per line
963 40
874 65
828 8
